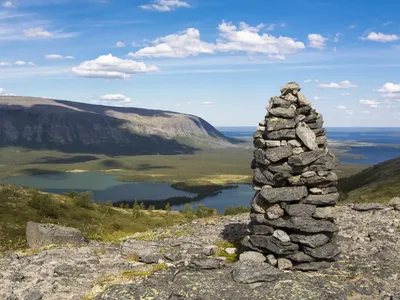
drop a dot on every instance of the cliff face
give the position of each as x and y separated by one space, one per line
38 123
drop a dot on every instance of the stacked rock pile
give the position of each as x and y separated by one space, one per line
292 217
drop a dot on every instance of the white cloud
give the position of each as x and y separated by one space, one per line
372 103
341 85
31 64
41 33
108 66
206 103
37 32
349 112
352 26
115 97
346 94
366 112
390 87
182 44
165 5
9 4
20 63
3 92
341 107
120 44
334 49
310 80
316 41
232 39
380 37
316 98
336 38
4 64
57 57
248 39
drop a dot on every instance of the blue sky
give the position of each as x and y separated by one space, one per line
221 60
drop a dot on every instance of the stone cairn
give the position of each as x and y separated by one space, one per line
292 215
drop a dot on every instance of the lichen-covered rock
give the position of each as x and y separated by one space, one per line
251 272
41 234
306 135
284 194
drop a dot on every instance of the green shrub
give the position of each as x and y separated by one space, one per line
71 194
47 207
84 200
203 212
109 203
187 208
236 210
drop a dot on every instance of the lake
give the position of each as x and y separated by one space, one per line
373 154
105 187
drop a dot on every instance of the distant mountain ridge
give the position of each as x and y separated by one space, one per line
40 123
378 183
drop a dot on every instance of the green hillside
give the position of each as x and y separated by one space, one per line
379 183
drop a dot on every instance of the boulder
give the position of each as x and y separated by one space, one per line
271 259
263 177
280 102
300 210
259 143
206 264
395 203
278 153
313 241
368 207
306 158
253 271
306 135
322 200
41 234
260 158
303 101
300 257
274 212
284 194
282 112
259 229
252 256
328 251
284 264
274 124
326 212
281 235
292 87
287 134
272 244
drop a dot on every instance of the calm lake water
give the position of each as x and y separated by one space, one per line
106 187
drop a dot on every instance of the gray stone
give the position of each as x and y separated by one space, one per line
298 150
210 250
290 97
174 255
301 224
321 181
324 163
308 174
258 204
317 124
272 244
280 102
288 134
33 294
263 177
312 117
281 235
272 143
327 251
252 271
284 143
230 251
327 212
206 264
304 110
274 212
259 143
300 210
312 266
284 264
252 256
280 168
299 118
368 207
260 229
322 200
306 135
300 257
313 241
294 143
151 258
394 201
283 112
271 259
40 235
279 153
284 194
258 134
139 248
260 158
303 100
319 131
262 123
306 158
323 191
321 140
274 124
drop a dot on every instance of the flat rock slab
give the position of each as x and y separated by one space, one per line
39 235
368 207
279 123
306 158
306 135
251 272
322 200
313 241
279 153
284 194
272 244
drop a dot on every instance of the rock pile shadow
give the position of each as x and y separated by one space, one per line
292 216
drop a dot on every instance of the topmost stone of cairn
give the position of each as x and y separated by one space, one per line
292 216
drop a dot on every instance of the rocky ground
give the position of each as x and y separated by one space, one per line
183 263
